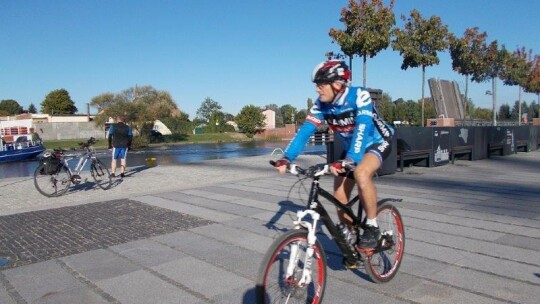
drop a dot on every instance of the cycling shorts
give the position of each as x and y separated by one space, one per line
119 153
381 150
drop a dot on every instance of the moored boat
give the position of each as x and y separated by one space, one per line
18 142
20 150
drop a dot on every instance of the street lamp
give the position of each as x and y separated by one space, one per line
493 98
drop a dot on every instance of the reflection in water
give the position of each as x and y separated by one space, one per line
172 155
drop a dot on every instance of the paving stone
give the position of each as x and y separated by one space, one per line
36 236
194 273
141 287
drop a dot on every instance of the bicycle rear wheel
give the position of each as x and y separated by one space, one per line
383 265
101 174
282 269
52 185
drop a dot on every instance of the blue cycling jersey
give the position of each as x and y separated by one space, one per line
352 117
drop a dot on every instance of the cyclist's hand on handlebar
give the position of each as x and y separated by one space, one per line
342 166
281 165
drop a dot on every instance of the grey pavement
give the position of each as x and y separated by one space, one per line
196 233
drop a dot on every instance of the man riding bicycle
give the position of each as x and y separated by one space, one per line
366 139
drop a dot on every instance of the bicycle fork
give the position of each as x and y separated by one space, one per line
312 238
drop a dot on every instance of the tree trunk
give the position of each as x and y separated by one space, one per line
494 99
466 104
519 107
423 83
350 65
364 71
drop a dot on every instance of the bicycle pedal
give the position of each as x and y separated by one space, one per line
352 264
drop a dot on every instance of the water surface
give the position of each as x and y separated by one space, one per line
172 155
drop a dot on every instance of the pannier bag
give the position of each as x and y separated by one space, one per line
52 164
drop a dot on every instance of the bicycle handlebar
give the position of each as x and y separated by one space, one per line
313 171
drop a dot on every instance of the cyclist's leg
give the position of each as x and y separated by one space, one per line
363 175
342 191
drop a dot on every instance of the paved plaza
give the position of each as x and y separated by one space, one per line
196 233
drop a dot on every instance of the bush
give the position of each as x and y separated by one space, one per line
140 142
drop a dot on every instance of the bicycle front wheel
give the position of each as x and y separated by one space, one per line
52 185
383 265
101 174
281 278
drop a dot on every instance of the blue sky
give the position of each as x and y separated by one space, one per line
236 52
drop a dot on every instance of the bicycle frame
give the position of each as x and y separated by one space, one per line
314 205
83 159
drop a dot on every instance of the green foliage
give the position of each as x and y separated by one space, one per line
367 31
288 112
481 113
10 107
309 104
58 102
467 53
249 120
420 40
140 141
208 107
386 108
408 111
140 106
32 109
533 80
180 125
300 117
517 68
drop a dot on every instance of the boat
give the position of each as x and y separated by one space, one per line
16 144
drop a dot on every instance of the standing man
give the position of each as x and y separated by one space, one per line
120 137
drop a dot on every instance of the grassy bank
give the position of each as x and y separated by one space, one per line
184 139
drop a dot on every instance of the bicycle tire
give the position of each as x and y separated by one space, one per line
52 185
382 266
274 266
101 174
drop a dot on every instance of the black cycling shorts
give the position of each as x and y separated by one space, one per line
381 150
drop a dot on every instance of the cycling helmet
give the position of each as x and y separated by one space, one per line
330 71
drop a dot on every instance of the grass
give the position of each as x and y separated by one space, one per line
192 138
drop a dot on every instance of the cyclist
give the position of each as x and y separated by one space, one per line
366 140
120 137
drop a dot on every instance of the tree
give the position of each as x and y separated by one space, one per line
419 42
492 67
216 122
367 30
140 106
484 114
466 54
288 113
58 102
504 112
533 80
32 109
309 104
300 117
516 72
386 108
208 107
250 119
10 107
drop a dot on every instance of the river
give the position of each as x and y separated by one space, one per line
173 155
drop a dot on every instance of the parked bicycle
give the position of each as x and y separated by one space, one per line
53 176
294 267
